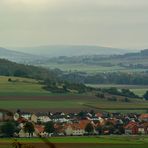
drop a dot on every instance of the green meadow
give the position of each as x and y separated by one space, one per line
28 94
20 86
92 69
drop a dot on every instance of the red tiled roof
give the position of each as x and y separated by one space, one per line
21 120
113 121
130 125
40 128
83 123
78 126
144 116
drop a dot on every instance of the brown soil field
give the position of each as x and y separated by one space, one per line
46 98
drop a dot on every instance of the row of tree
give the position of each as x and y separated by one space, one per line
133 78
121 92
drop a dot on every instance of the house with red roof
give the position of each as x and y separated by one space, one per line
144 117
131 128
76 129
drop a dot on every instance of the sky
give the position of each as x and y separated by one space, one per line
112 23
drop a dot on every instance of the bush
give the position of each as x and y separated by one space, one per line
9 80
146 95
100 95
112 99
8 129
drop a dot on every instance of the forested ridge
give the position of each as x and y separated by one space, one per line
130 78
8 68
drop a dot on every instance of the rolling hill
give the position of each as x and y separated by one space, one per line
8 68
28 95
71 50
18 57
129 62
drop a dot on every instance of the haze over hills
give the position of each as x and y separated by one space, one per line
16 56
72 50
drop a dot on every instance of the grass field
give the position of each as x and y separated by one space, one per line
140 91
83 142
93 69
77 104
20 86
27 94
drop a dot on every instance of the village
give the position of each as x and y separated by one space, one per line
83 123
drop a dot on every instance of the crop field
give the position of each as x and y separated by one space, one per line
83 68
93 69
20 86
69 104
81 142
28 95
140 91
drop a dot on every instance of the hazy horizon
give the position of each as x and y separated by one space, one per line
21 48
109 23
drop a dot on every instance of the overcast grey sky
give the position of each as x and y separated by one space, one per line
115 23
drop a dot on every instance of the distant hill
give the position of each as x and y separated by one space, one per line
73 50
137 61
18 57
144 52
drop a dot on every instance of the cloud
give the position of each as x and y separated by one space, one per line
104 22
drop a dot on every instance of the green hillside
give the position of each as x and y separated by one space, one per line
20 86
28 94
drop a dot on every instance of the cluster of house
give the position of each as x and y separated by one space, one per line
74 124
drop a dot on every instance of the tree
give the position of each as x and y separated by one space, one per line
8 129
99 130
126 99
146 95
89 128
108 127
9 80
49 127
20 72
113 98
65 88
100 95
29 128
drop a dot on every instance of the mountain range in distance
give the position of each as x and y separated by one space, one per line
72 50
35 55
19 57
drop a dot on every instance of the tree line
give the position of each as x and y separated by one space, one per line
132 78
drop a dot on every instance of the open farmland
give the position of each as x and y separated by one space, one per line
79 142
83 68
20 86
139 91
28 95
92 69
68 104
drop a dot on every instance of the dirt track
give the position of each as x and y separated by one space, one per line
46 98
